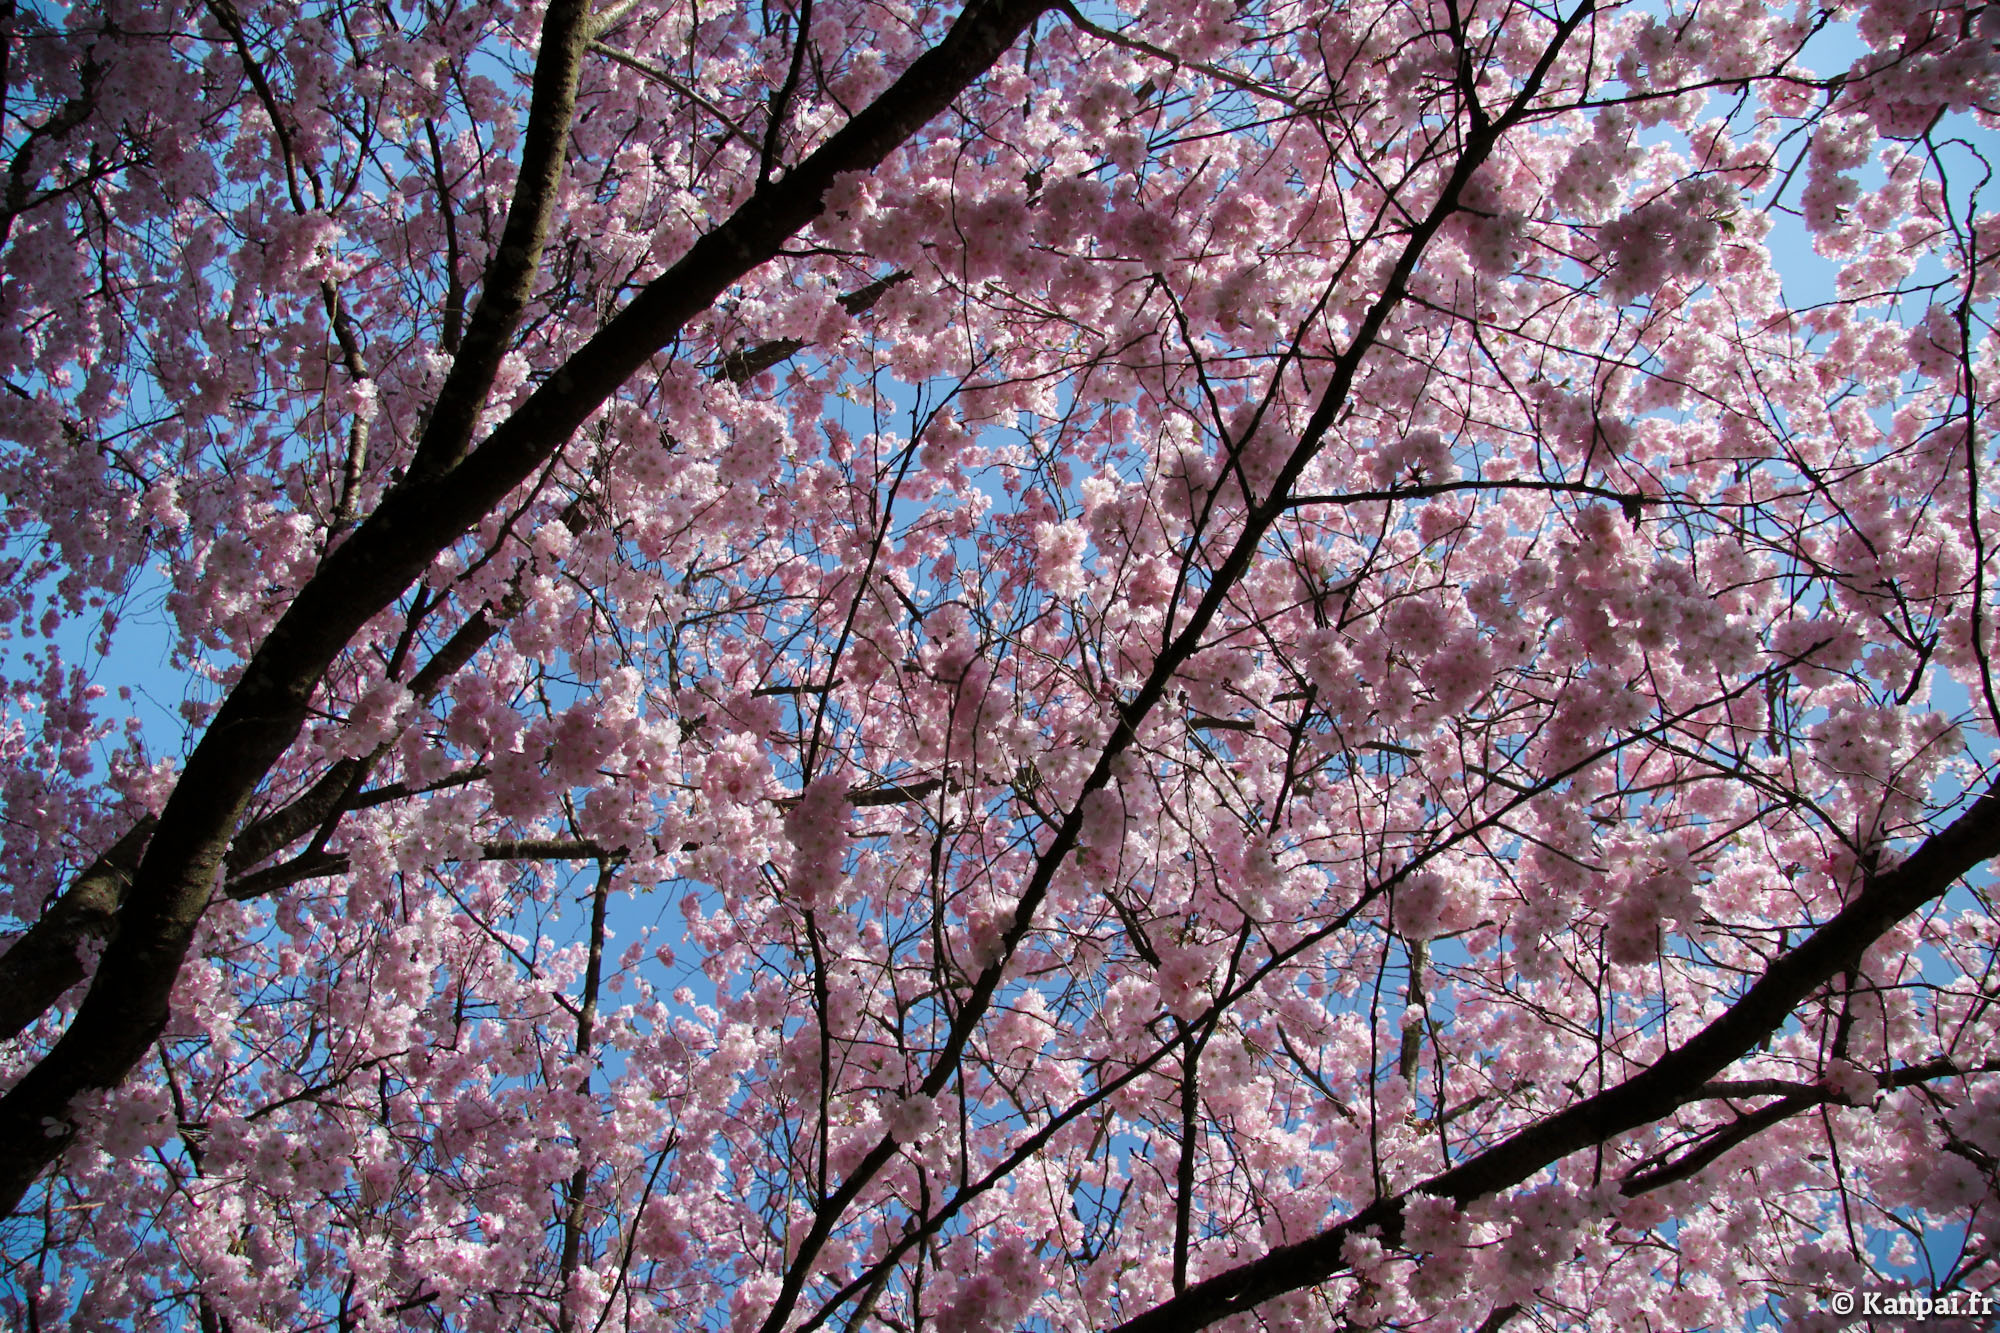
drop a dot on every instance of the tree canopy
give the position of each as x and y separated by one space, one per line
866 664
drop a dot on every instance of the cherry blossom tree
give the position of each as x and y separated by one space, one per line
859 664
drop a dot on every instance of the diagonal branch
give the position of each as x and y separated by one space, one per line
443 496
1672 1081
747 363
47 960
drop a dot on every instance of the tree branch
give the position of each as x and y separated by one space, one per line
747 363
321 865
510 274
47 960
1672 1081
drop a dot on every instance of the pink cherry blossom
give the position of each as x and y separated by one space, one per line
996 666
